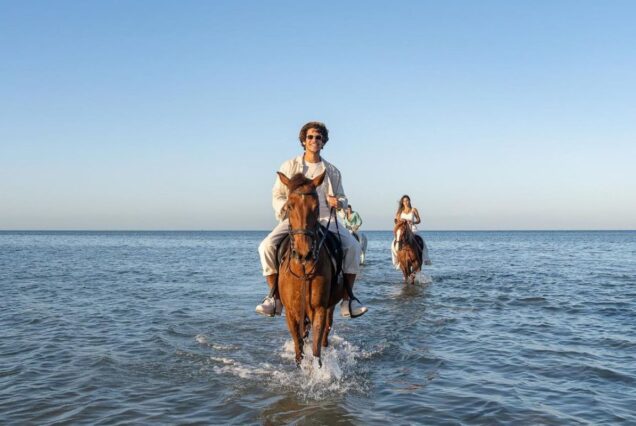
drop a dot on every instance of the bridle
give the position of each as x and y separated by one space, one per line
312 233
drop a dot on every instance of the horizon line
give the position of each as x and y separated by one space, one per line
366 230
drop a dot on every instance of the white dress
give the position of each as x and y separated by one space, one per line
410 217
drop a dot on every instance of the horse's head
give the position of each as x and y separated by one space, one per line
402 231
302 212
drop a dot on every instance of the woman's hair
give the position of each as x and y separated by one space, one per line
401 204
314 125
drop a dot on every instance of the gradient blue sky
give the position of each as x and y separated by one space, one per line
175 115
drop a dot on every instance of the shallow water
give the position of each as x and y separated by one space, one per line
159 327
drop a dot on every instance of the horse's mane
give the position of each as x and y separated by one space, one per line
407 234
297 181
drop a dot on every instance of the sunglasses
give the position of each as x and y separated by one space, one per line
317 137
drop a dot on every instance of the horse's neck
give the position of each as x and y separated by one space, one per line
401 234
405 233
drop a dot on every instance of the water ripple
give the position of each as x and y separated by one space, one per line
504 328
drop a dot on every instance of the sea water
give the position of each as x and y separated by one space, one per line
160 328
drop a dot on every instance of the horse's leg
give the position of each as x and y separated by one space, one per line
413 271
328 324
416 265
307 328
292 324
319 325
404 267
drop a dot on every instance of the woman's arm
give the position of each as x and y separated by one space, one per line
416 216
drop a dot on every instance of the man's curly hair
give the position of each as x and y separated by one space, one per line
314 125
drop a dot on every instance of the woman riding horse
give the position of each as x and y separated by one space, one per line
408 252
406 219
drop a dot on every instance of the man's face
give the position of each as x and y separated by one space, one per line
313 141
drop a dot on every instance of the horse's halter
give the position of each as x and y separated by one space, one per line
311 233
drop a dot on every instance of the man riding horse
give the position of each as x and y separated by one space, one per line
351 219
313 137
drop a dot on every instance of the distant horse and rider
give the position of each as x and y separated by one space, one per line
408 250
352 221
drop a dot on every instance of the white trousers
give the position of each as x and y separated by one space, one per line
350 247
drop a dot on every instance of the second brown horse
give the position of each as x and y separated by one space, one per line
409 250
307 281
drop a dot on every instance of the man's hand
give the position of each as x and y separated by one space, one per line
332 201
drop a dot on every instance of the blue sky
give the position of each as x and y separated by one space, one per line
176 115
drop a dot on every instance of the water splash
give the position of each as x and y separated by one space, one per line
340 372
422 278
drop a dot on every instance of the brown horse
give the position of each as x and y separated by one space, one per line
409 251
307 281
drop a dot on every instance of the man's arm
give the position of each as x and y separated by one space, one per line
279 196
338 198
416 216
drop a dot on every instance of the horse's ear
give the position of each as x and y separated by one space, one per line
283 179
317 181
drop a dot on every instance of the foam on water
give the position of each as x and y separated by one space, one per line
202 339
339 373
422 278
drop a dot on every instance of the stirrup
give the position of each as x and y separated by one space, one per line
351 315
264 314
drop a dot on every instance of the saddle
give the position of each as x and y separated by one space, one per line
332 244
